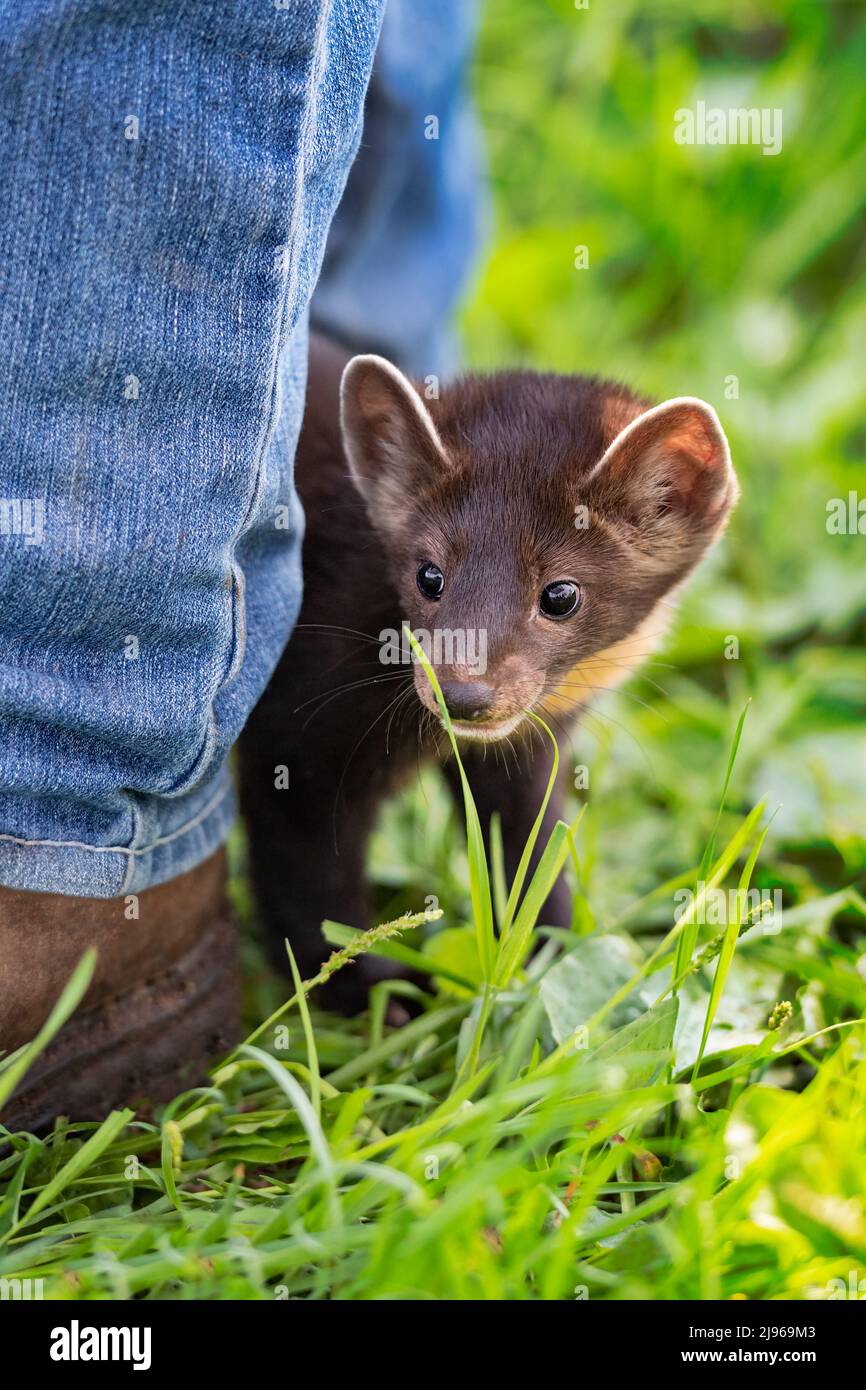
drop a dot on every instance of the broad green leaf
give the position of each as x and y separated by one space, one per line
647 1041
574 988
453 956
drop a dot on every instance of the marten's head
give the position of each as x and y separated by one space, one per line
533 525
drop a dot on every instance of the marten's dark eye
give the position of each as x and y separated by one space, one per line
560 600
430 580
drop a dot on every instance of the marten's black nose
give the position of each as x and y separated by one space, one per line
467 699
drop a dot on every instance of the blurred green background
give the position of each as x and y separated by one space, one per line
706 263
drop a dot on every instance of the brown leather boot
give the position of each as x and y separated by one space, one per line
162 1002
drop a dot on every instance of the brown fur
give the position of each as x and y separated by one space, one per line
483 482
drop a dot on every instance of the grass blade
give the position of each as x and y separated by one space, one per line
523 866
18 1064
514 946
309 1038
688 940
729 946
479 878
79 1163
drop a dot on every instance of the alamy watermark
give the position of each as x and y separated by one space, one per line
77 1343
716 907
846 516
734 125
24 517
21 1290
444 646
853 1288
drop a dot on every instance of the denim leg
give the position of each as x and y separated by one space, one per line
407 230
171 170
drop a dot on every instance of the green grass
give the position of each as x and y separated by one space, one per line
588 1123
615 1118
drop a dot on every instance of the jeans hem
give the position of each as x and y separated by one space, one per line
74 869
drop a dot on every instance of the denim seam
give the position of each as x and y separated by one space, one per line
272 411
270 415
123 849
137 829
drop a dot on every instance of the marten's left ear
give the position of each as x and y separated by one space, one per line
390 440
669 474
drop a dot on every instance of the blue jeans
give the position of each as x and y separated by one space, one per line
171 175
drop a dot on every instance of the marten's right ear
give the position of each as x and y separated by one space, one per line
390 440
